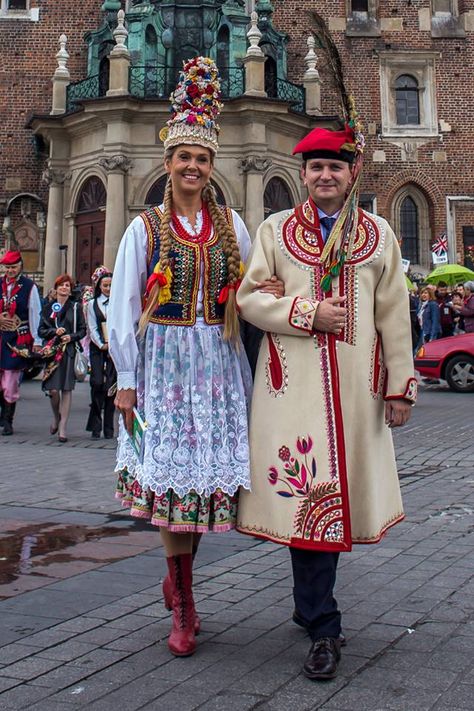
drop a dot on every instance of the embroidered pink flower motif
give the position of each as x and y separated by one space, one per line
304 446
272 476
284 454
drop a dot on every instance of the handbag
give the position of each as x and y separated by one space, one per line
81 362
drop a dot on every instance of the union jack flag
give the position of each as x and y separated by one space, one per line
440 246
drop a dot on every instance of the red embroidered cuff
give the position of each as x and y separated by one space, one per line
302 314
410 393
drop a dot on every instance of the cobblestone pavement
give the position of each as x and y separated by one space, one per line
81 613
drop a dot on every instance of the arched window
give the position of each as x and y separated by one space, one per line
407 100
276 197
223 49
409 229
271 76
156 193
93 195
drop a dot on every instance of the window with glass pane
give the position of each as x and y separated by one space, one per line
407 100
360 5
409 230
17 4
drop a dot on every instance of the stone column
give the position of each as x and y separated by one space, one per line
54 225
61 79
254 62
119 59
312 80
254 168
116 166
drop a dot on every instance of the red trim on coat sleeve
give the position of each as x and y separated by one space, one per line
409 394
302 313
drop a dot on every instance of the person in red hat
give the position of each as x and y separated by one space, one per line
334 375
20 308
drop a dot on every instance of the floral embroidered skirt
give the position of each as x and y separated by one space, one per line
193 390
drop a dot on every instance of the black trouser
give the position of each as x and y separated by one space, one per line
314 575
100 400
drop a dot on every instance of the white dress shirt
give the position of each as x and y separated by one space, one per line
94 332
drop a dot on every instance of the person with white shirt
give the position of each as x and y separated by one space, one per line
174 338
103 374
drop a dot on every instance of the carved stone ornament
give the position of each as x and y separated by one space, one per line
116 163
255 164
53 176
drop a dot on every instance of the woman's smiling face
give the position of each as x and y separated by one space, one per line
190 169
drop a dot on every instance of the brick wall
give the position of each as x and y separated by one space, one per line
454 84
28 63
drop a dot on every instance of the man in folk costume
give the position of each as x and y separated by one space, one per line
334 374
20 308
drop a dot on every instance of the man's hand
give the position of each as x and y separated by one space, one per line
397 412
104 347
125 401
66 338
7 323
60 331
272 286
330 316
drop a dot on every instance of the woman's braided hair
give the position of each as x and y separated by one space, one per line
229 245
166 240
231 250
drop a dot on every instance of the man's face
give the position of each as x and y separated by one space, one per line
12 270
327 180
442 291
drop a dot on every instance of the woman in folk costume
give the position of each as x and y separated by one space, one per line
334 369
175 280
103 374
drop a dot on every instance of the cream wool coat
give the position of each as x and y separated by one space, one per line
322 457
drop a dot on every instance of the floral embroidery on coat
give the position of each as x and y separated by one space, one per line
319 514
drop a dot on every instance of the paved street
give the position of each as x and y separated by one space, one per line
81 613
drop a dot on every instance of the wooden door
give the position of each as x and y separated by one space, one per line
89 244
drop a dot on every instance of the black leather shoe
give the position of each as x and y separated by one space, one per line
95 435
323 658
298 620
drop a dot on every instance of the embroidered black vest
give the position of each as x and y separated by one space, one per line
185 263
22 336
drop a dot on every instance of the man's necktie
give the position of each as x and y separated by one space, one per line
327 224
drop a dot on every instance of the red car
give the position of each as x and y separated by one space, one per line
451 359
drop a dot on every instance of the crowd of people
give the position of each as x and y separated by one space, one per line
69 323
436 311
307 459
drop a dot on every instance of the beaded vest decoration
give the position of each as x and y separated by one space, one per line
187 257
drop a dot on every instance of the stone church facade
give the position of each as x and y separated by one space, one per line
85 94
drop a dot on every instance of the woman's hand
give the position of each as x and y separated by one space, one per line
60 331
272 286
125 401
66 338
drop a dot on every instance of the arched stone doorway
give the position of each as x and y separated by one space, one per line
90 228
276 197
156 192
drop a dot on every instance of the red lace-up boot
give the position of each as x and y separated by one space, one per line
168 594
182 642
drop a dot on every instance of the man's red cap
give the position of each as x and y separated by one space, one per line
321 143
10 258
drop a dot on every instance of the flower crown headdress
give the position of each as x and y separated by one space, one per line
195 106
